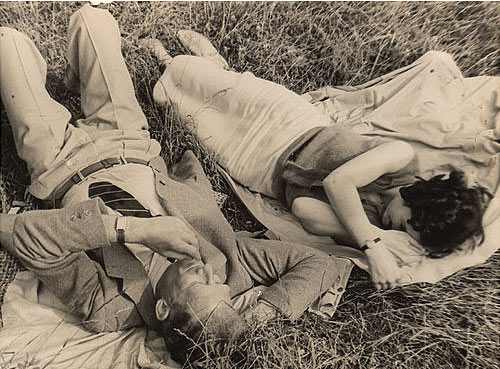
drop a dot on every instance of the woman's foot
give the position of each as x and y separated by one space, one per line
199 45
157 49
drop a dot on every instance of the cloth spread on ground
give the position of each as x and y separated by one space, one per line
451 121
37 330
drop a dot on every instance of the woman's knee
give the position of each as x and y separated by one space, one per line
303 209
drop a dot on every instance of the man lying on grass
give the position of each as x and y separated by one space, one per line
108 255
359 189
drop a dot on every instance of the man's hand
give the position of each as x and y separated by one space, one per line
167 235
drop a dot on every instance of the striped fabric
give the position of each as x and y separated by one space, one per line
118 199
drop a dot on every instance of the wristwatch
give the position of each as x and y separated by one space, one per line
370 244
120 227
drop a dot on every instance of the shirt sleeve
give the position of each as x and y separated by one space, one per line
53 245
296 275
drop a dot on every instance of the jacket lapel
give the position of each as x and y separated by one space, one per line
120 263
186 193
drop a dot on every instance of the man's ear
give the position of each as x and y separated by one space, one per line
162 310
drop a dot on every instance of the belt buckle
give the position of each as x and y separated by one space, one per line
106 163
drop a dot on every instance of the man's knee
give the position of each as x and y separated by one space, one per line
7 32
10 39
100 15
88 9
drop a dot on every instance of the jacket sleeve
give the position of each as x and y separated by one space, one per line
52 244
296 275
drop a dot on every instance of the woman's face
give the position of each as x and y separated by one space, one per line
195 283
397 215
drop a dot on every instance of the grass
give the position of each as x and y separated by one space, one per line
304 46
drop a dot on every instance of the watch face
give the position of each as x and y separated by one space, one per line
121 225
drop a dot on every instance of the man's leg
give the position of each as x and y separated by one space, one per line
38 122
97 69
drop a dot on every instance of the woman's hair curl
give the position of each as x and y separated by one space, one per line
446 212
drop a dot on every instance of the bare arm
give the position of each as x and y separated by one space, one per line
341 188
341 185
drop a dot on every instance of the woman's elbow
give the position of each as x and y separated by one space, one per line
403 151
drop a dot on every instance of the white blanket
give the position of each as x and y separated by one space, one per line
38 332
451 121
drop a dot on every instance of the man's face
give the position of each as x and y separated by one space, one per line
194 282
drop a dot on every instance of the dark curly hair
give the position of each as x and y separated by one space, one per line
189 338
446 212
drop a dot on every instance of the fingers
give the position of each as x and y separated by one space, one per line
186 250
387 284
188 236
190 243
181 250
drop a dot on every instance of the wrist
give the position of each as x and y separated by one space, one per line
370 244
133 232
368 234
120 228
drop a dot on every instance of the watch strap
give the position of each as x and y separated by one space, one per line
370 244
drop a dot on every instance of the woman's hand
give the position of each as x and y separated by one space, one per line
167 235
384 267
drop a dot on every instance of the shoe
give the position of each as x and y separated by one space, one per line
157 49
199 45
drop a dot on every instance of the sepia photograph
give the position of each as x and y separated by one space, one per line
249 184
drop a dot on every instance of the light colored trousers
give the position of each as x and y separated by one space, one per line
114 123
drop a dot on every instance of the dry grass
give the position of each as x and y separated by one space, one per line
453 324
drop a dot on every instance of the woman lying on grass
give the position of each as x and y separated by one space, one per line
357 189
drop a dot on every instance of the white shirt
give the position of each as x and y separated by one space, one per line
247 121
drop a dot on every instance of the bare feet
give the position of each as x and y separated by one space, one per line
157 49
199 45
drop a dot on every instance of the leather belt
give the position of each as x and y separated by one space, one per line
82 174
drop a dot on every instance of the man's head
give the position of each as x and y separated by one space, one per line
194 305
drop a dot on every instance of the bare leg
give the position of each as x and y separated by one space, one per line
157 49
38 122
318 218
95 61
199 45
